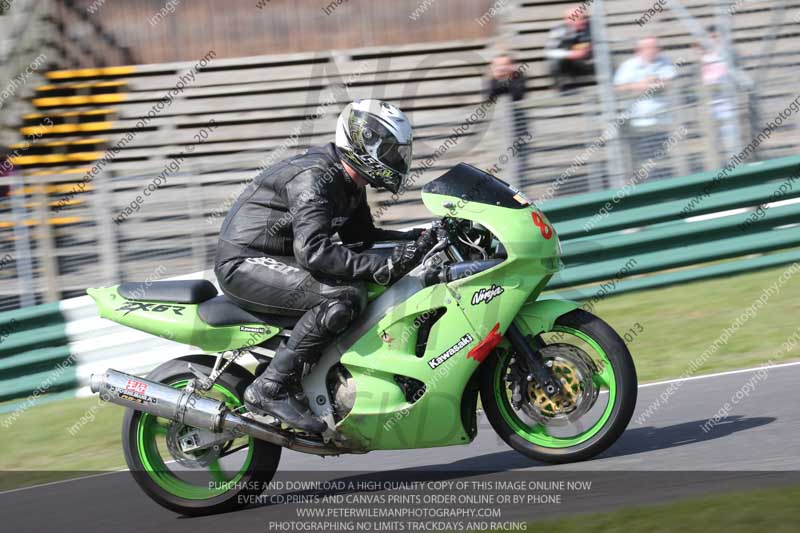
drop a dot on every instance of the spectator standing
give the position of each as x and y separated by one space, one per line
716 76
569 49
644 78
507 79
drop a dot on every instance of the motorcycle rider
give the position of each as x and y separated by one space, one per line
276 252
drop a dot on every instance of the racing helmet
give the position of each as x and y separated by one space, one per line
374 137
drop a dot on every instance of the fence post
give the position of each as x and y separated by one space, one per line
510 132
708 127
22 242
104 226
46 246
195 198
723 21
605 81
677 159
593 117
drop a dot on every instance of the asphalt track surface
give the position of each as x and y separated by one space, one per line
667 457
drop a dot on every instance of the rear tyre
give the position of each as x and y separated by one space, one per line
202 484
614 378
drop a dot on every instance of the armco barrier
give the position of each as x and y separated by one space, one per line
56 347
34 344
60 345
645 234
660 227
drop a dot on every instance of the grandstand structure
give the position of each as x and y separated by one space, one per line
125 171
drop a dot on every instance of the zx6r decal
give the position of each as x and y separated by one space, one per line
454 349
487 295
130 307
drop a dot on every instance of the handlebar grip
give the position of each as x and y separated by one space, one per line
459 270
434 276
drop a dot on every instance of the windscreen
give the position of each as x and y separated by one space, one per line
474 185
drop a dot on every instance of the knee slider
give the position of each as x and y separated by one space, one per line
337 316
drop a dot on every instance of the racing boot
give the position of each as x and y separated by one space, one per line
275 392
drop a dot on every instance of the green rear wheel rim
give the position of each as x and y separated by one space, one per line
147 431
537 434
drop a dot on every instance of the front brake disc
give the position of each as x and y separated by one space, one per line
574 369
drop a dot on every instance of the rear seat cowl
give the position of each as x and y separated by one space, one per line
181 292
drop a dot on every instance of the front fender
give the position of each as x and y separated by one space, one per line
540 316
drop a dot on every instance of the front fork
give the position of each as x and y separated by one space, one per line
531 361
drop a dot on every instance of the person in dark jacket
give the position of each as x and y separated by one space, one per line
569 49
506 78
277 252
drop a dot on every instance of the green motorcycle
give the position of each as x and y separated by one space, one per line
556 383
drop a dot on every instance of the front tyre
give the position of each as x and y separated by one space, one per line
208 481
599 380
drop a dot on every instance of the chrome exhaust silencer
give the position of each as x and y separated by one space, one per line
180 405
189 408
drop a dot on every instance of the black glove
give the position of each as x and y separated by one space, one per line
413 234
405 256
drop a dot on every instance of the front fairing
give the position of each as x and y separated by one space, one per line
469 310
494 297
469 193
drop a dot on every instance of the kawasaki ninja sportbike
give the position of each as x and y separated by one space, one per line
556 383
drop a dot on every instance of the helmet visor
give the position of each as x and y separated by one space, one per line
395 156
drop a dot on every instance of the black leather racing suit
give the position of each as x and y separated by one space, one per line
276 252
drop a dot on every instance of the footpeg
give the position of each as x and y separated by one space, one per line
264 418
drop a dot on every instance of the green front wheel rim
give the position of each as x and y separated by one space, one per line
148 429
537 434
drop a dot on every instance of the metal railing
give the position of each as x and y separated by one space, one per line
22 35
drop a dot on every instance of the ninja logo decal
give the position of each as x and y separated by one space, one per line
487 295
130 307
454 349
272 264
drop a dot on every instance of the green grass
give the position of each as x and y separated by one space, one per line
40 439
680 323
773 510
677 323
